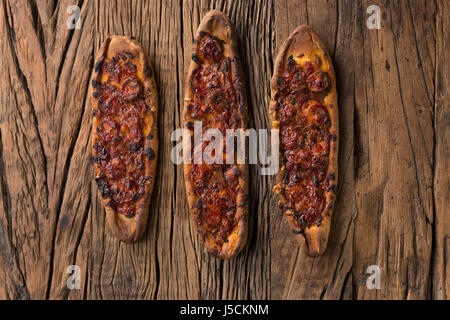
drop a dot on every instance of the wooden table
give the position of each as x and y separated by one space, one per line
393 195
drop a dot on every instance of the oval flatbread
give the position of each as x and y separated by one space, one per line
124 134
304 108
215 98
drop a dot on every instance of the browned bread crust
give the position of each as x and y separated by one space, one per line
217 24
304 44
128 229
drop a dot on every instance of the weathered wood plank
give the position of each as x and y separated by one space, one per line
441 253
394 174
76 194
178 249
25 212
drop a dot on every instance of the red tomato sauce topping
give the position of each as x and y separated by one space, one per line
305 139
216 104
119 148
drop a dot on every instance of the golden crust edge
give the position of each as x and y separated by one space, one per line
315 237
218 24
130 230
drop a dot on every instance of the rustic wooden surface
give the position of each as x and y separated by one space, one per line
393 196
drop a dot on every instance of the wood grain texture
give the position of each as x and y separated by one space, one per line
441 244
393 194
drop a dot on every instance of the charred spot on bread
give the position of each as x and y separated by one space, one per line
148 71
104 188
320 221
129 54
190 125
98 65
195 58
244 201
95 84
149 153
135 146
192 81
332 188
198 203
